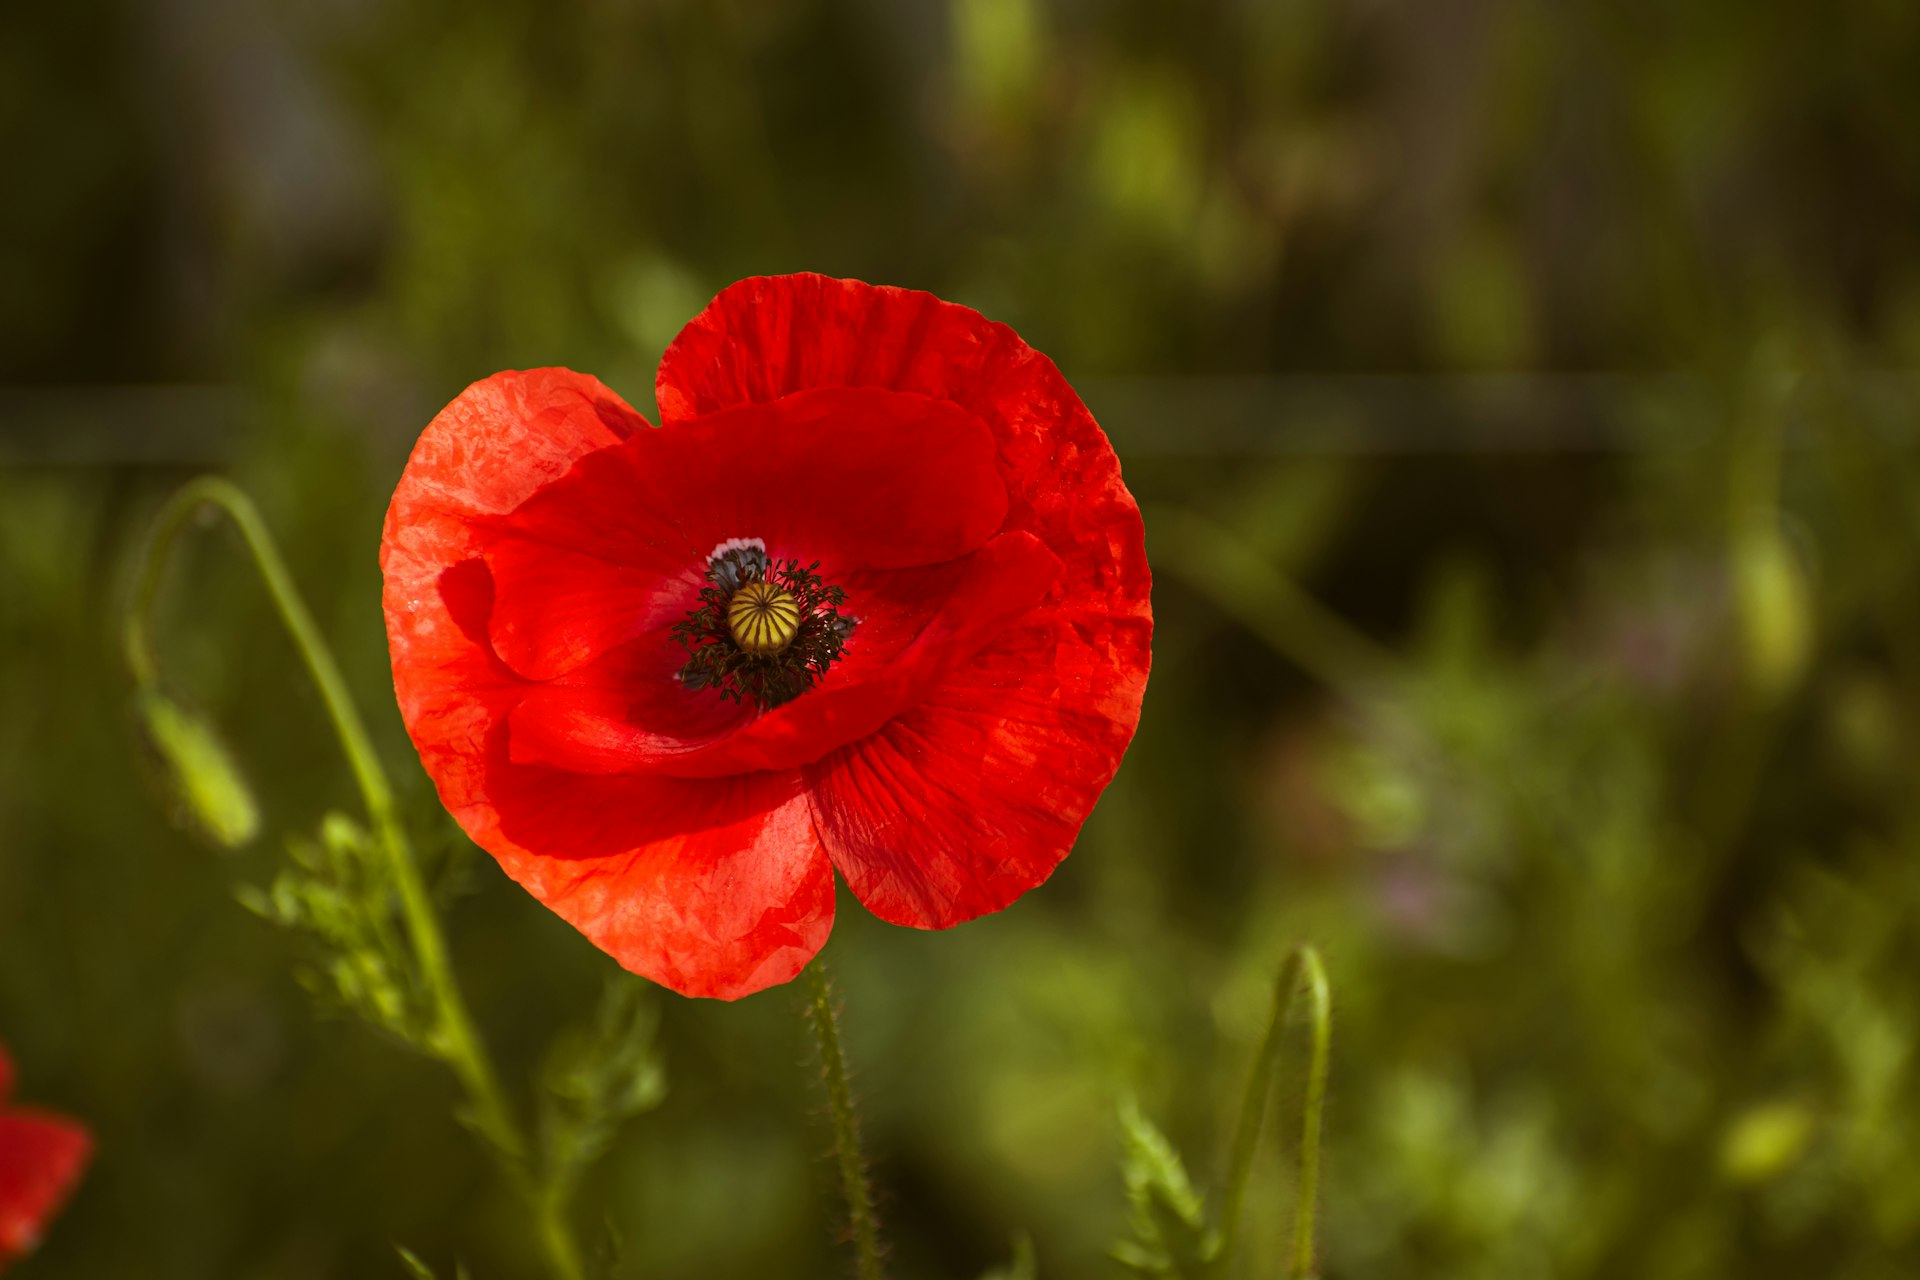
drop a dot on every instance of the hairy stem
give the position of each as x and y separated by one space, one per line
456 1041
1303 968
846 1125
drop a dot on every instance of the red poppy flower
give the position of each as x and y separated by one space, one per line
873 598
41 1156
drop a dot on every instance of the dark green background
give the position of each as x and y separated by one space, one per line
1562 352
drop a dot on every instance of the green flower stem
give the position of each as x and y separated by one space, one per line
457 1042
1302 968
556 1233
846 1125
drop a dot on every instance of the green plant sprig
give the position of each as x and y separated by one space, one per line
344 883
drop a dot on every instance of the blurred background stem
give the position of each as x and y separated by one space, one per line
454 1038
1221 566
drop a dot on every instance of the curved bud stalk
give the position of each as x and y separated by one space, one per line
346 880
1303 971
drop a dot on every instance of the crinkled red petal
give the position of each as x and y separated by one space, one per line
965 802
498 443
41 1159
972 797
714 889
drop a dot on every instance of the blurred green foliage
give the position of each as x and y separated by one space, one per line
1522 398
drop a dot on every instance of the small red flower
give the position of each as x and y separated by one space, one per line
41 1158
873 597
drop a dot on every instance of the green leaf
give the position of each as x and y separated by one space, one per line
1169 1238
339 891
597 1078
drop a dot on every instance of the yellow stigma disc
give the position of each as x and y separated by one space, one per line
763 618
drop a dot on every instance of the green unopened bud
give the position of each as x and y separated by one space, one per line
198 771
1775 607
1764 1140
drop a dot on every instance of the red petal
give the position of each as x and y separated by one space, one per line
965 802
482 456
917 624
629 702
772 336
714 888
853 479
557 609
860 479
506 436
41 1158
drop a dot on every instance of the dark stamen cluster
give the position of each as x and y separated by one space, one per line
717 660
